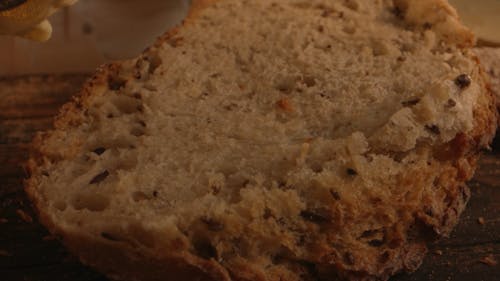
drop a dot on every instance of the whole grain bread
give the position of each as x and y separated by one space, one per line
271 140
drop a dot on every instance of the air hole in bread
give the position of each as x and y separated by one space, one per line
376 243
327 11
142 123
154 62
399 11
463 81
212 224
335 194
309 80
90 201
126 104
109 236
115 83
285 83
267 214
324 45
434 129
284 185
411 102
450 103
401 59
99 150
316 167
351 172
318 216
205 249
312 269
99 177
114 143
230 106
384 257
175 41
349 258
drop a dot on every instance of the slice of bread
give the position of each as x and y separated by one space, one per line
271 140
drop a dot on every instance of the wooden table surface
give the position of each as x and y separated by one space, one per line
27 253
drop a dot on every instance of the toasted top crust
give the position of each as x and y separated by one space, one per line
284 140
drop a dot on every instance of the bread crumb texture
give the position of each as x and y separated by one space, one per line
271 140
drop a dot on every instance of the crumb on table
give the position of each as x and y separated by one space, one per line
489 260
480 220
24 216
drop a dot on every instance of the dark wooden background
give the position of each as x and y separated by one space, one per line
27 253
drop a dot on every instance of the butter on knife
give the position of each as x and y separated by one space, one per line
28 18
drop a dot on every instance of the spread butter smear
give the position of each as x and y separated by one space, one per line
28 18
